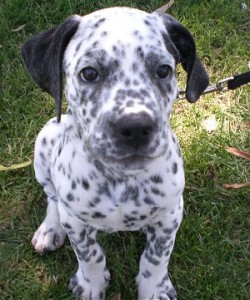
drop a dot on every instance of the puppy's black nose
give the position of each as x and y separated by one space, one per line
134 130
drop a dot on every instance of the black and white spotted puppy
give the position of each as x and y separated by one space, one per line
112 162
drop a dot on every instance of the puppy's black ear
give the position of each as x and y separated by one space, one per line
184 50
43 57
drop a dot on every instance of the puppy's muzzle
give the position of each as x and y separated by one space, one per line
133 131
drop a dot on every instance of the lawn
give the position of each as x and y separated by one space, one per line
211 259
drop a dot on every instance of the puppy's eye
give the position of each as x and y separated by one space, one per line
89 74
163 71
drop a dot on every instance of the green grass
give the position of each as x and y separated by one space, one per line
211 258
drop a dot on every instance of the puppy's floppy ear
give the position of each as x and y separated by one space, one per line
43 57
185 53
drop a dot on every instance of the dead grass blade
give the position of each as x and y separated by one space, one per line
161 10
19 28
16 166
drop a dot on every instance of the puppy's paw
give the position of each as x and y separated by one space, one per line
85 289
48 237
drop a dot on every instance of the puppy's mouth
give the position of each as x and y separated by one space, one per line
123 157
133 159
130 162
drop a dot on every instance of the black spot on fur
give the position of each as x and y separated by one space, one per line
78 47
95 202
135 67
104 33
41 154
98 215
99 22
100 259
155 191
147 274
59 151
175 168
85 184
73 185
104 190
151 259
148 200
70 197
66 225
140 52
156 179
44 142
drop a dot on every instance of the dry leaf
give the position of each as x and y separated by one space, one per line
238 153
19 28
246 125
235 185
14 167
117 297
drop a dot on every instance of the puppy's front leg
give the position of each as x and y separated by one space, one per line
92 277
153 280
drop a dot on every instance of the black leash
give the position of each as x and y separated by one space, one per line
224 85
238 81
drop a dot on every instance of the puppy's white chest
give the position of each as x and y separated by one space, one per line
112 203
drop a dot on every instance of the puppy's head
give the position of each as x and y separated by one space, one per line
119 66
